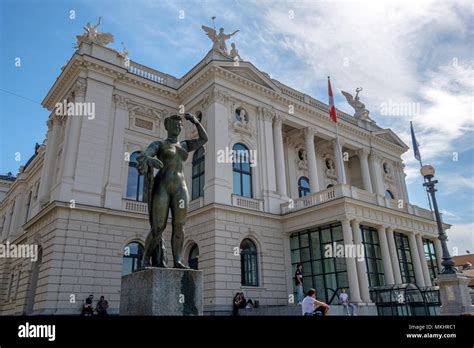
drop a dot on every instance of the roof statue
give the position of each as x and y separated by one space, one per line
91 35
359 107
234 52
218 39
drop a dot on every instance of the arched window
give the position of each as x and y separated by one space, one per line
134 180
198 173
242 172
303 186
248 263
389 194
132 258
193 257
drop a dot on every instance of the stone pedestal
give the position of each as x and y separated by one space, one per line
162 291
454 294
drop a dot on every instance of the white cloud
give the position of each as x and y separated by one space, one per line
461 238
406 52
456 183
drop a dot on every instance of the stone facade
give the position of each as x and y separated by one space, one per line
71 199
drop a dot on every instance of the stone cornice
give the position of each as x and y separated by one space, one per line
86 62
315 112
23 178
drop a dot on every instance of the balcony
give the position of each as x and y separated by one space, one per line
196 204
343 190
247 203
142 208
134 206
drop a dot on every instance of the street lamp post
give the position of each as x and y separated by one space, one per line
448 264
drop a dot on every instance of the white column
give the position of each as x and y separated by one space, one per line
312 165
71 146
267 145
376 174
361 265
364 167
387 264
279 156
399 176
439 253
340 170
393 256
47 171
415 257
113 190
218 186
424 264
351 264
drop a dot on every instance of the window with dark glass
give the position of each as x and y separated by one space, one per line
28 205
373 256
193 257
198 175
431 259
249 263
303 186
320 271
132 258
242 172
134 180
404 258
389 194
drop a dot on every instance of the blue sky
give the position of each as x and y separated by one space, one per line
402 53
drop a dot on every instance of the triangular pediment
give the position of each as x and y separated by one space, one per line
390 136
249 72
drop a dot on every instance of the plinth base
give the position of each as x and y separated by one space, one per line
162 291
454 293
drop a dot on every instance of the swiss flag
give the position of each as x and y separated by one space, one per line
332 108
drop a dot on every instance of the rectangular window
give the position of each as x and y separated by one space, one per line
431 259
404 258
325 274
373 256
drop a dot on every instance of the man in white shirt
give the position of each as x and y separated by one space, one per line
311 306
344 300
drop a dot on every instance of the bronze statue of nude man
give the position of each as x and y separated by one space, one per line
167 190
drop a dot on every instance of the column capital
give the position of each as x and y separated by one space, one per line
309 131
363 152
121 102
277 120
375 155
54 120
389 229
217 95
79 88
355 221
345 220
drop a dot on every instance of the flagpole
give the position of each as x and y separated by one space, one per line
420 161
338 145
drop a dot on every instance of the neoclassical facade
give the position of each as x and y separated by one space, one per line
296 192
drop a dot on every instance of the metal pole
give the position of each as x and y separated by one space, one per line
448 263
